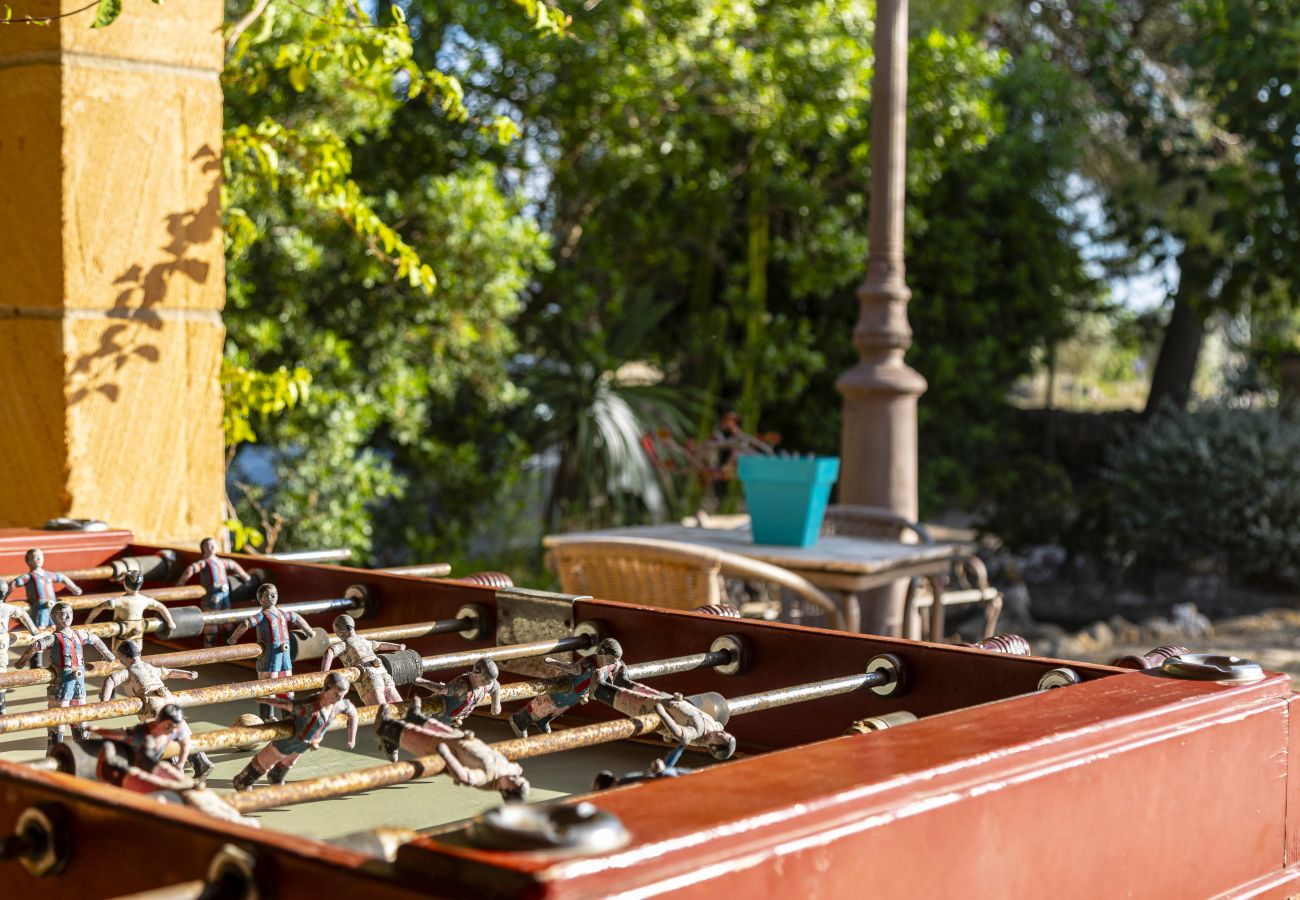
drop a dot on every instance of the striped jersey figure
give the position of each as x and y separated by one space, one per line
132 758
375 684
465 692
605 666
41 586
214 574
272 627
311 719
8 612
67 664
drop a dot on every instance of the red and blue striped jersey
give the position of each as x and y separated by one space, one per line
311 720
462 697
68 653
213 574
40 585
272 627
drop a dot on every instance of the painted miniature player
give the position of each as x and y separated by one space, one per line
144 680
470 761
681 720
467 691
603 666
214 574
8 613
658 769
376 684
132 758
272 626
41 588
67 664
311 719
130 608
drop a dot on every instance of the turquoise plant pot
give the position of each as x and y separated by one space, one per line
787 496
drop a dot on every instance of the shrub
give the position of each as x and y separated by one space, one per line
1219 486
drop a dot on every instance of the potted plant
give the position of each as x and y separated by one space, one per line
785 494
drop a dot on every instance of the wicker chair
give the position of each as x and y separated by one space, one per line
968 575
669 574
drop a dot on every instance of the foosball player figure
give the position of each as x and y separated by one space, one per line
8 613
311 719
132 758
214 574
658 769
144 681
67 664
130 608
40 586
375 686
605 666
465 692
681 720
470 762
272 626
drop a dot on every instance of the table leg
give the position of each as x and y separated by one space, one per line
937 584
852 611
882 608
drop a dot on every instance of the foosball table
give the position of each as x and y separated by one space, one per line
800 761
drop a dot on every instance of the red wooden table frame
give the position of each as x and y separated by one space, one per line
1127 784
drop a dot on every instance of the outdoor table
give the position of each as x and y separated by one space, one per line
849 565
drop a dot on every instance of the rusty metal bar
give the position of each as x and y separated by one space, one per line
249 736
114 568
210 617
98 629
87 601
423 570
249 690
211 655
510 651
522 748
422 767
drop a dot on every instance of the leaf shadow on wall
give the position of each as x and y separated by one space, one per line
143 291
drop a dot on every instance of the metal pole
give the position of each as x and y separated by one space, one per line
878 444
311 556
86 601
210 655
210 617
522 748
250 690
249 736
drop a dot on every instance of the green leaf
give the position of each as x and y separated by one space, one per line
106 13
299 76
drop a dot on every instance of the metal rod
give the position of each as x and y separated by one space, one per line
86 601
211 655
98 629
522 748
305 608
800 693
249 736
210 617
336 554
424 570
510 651
250 690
